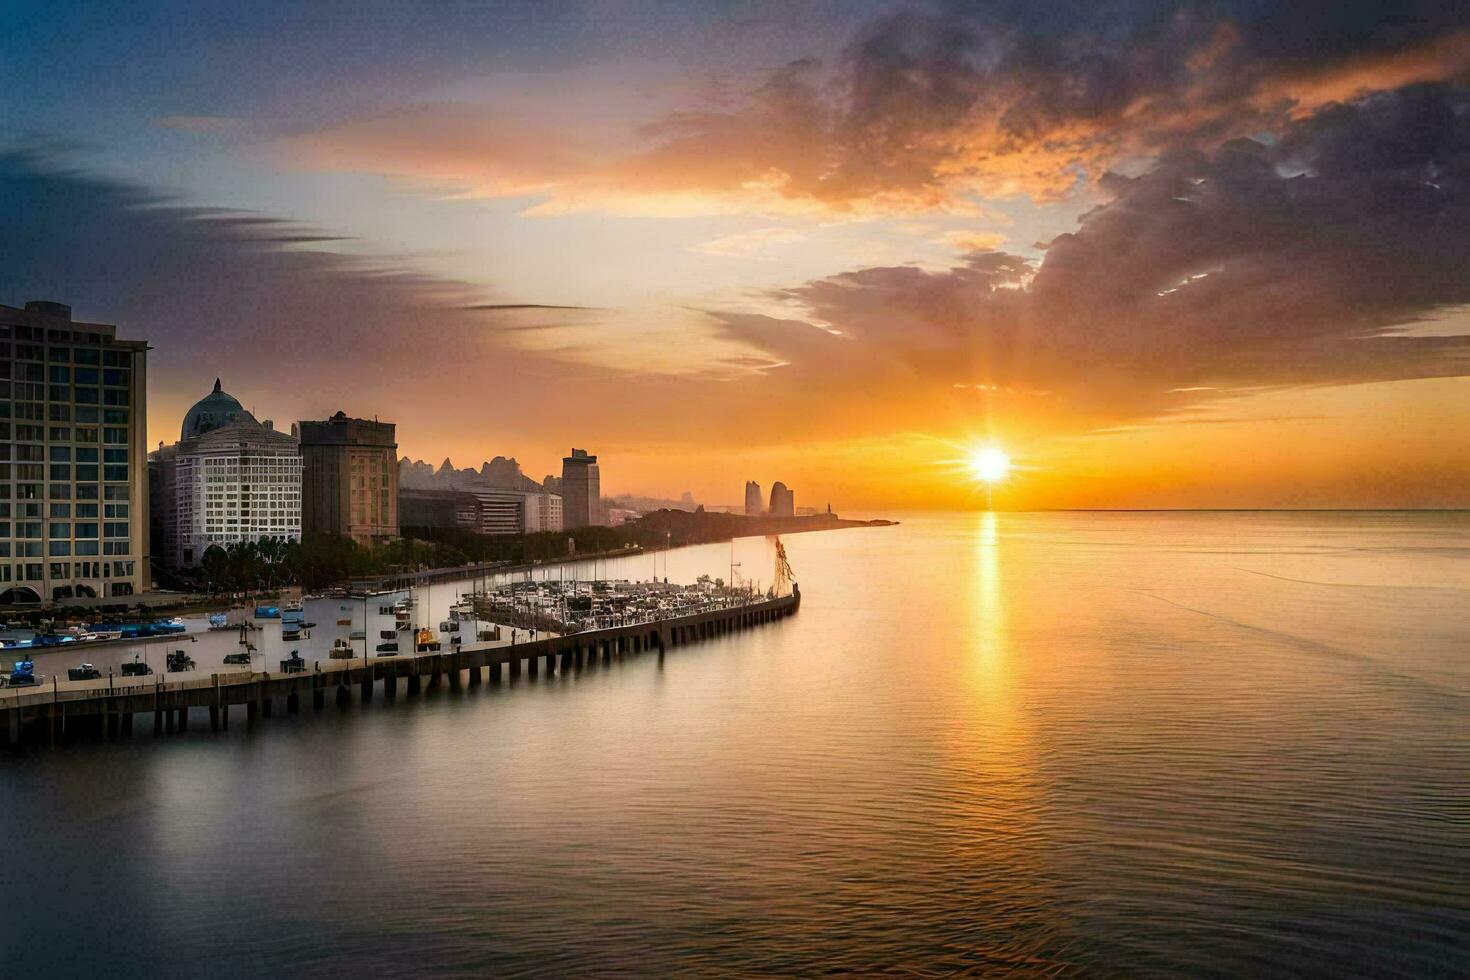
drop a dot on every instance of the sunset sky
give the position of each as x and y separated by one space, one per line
1164 255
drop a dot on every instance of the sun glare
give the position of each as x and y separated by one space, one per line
990 465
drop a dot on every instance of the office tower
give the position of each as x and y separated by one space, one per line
73 487
753 506
783 501
349 478
581 490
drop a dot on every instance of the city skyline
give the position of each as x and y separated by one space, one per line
852 244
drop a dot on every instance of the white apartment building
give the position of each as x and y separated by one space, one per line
229 479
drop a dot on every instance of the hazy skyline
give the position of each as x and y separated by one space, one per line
1215 256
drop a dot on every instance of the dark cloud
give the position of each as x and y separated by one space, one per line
294 330
1253 265
930 104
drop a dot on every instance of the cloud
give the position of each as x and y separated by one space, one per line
927 107
1302 262
750 244
974 241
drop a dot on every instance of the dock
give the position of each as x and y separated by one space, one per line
47 714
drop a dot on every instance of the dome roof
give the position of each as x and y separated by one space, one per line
212 411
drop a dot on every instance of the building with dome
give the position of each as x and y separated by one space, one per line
229 478
213 411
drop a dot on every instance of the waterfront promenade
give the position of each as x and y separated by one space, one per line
61 710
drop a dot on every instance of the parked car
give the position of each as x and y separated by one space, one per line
86 672
136 669
24 674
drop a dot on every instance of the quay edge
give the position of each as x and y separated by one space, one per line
47 716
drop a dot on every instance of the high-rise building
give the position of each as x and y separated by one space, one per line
349 478
73 487
581 490
233 479
753 506
783 501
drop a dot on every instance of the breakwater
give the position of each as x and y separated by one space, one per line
48 714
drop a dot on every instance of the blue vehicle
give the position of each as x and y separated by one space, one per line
267 612
164 627
24 674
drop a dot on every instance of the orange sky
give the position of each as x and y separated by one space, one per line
1164 256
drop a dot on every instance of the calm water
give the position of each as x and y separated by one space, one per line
1204 743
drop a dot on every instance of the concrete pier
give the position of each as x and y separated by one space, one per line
74 709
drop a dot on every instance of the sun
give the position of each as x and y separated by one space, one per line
990 465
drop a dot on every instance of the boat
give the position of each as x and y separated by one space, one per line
294 633
426 643
292 607
449 626
267 612
86 672
341 650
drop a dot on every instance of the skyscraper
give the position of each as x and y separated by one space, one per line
73 487
581 490
349 478
783 501
753 506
